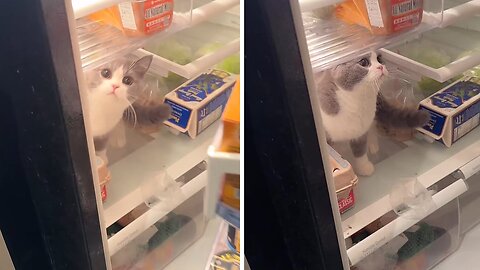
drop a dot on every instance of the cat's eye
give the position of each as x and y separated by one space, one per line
380 59
106 73
364 62
127 80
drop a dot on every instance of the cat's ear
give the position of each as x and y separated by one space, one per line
141 65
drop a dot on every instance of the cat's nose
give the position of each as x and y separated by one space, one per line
114 87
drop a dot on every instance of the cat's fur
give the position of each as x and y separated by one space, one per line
113 98
350 102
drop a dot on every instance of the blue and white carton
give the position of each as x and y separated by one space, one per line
454 111
199 102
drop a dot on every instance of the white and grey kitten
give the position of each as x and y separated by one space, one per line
350 101
113 90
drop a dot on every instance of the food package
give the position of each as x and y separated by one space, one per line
382 17
454 111
199 102
345 180
103 176
231 123
137 18
228 207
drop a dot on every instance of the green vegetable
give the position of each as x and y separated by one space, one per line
207 49
231 64
172 50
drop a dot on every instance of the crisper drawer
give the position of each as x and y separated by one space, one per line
469 204
193 50
159 244
415 239
440 54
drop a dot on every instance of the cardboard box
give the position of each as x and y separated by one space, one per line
200 101
454 111
345 180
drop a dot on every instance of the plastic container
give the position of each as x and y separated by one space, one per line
440 54
421 246
382 17
138 18
161 243
191 51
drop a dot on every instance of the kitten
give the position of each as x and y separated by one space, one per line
113 90
350 102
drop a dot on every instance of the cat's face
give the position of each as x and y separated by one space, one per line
369 69
119 81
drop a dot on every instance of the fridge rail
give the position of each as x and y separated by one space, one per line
100 43
428 162
154 214
172 154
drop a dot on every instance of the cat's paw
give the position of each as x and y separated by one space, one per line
364 167
420 119
160 113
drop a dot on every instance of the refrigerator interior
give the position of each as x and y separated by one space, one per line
153 208
418 183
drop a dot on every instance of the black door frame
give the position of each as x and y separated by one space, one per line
46 183
288 217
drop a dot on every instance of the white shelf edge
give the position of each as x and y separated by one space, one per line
148 219
83 8
309 5
455 14
379 238
196 67
218 164
382 206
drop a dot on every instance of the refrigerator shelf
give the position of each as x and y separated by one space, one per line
332 42
172 154
154 214
100 43
455 49
428 162
309 5
203 46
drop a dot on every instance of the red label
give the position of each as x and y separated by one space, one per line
346 203
103 192
406 13
158 14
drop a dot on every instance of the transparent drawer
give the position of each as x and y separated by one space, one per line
332 41
421 246
193 50
469 204
161 243
440 54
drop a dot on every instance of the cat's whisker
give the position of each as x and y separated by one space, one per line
134 115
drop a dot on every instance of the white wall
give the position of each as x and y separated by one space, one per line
5 261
